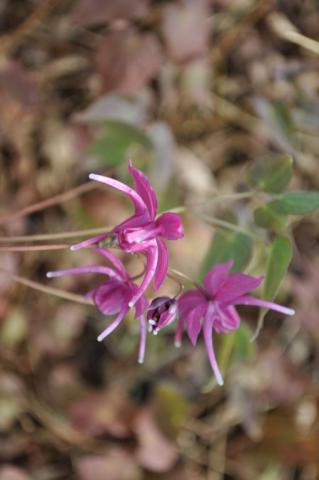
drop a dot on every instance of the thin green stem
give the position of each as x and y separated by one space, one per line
227 196
173 272
55 236
49 202
217 222
49 290
33 248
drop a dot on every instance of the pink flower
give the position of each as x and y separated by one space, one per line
212 307
161 313
113 296
143 231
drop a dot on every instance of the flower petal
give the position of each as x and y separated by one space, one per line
193 322
208 338
116 262
237 285
179 332
151 264
90 241
140 206
132 222
110 328
217 276
189 300
257 302
89 269
141 351
141 305
227 319
144 190
171 225
162 264
111 297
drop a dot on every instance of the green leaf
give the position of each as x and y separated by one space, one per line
295 203
279 122
226 246
278 261
236 346
279 258
265 217
272 174
118 141
170 407
243 348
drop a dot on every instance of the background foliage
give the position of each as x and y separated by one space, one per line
217 101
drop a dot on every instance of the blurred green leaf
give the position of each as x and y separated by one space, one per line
119 141
279 121
279 258
243 348
171 408
235 346
226 246
272 174
296 203
283 117
265 217
14 328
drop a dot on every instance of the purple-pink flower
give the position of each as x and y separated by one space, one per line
143 231
161 313
212 307
112 297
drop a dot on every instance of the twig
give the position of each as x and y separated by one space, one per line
33 248
287 31
55 236
45 289
49 202
12 40
226 225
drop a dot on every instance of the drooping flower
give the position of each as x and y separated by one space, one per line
143 231
161 313
212 307
113 296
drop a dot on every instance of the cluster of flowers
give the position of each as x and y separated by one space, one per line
203 309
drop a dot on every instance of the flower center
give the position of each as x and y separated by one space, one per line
134 239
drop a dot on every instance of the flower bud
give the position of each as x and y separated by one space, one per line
161 312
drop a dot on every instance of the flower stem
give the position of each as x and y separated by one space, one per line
227 196
226 225
43 288
55 236
49 202
33 248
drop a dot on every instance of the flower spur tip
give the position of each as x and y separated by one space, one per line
50 274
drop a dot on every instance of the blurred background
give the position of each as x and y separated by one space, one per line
195 92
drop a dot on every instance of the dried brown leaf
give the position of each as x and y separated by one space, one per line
116 464
155 452
10 472
90 12
106 412
186 29
127 60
